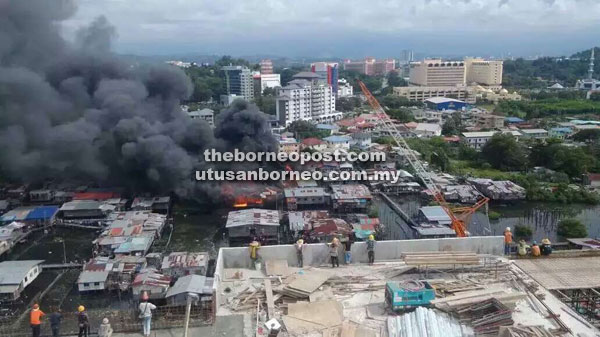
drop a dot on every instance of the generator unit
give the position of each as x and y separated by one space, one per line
402 295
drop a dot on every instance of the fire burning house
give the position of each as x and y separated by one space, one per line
350 197
244 225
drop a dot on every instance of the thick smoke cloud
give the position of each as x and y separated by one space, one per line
76 112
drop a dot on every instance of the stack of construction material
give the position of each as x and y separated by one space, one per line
302 285
423 322
524 331
465 298
440 258
486 317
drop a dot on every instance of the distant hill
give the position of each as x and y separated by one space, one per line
546 71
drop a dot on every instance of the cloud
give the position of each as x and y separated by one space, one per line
214 25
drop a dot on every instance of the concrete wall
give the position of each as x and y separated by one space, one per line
318 253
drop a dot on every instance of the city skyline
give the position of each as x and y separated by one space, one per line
353 29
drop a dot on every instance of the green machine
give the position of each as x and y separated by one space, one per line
402 295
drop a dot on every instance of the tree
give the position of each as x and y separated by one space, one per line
385 140
304 129
346 104
266 104
453 125
394 80
402 115
595 96
268 91
571 228
573 161
523 232
441 160
504 153
587 135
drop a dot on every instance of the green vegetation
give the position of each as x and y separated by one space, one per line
304 129
453 125
590 135
373 212
544 71
547 107
571 228
396 102
492 215
346 104
394 80
266 103
386 140
207 81
373 83
523 232
505 159
504 153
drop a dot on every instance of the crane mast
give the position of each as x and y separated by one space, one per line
459 217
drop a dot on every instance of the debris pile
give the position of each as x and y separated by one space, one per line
424 322
440 258
466 194
499 189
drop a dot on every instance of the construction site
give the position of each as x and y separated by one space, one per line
434 287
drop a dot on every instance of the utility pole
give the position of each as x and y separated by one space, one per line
190 297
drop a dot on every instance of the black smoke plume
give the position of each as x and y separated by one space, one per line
77 112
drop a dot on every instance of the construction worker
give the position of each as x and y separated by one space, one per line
254 247
333 253
508 239
535 249
371 249
55 319
299 252
84 322
546 247
35 319
522 248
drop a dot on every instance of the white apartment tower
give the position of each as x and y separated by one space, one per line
307 100
483 72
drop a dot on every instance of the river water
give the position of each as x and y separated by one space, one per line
542 218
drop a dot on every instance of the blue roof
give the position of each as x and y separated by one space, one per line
42 212
327 127
337 139
565 130
514 119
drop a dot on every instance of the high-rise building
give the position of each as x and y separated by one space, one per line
344 88
266 67
239 81
306 98
407 56
437 73
328 73
371 66
269 81
483 72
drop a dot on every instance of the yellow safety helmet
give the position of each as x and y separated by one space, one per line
81 308
300 241
371 237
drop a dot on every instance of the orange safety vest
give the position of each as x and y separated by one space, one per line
36 317
535 250
507 237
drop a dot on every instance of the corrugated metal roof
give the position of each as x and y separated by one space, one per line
252 216
196 284
87 276
13 272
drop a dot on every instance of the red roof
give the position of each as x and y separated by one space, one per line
411 125
452 139
312 141
95 195
151 279
593 176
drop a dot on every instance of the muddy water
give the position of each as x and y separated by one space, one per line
542 218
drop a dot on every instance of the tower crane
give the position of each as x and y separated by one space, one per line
460 217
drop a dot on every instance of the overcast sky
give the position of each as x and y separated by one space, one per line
347 28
